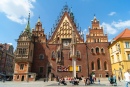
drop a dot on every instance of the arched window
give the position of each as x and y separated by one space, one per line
105 65
97 50
98 64
78 54
53 55
41 56
102 50
92 65
92 50
21 66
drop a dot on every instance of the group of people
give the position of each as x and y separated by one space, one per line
63 80
113 81
76 80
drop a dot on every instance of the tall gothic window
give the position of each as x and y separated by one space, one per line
98 64
92 65
105 65
97 50
78 54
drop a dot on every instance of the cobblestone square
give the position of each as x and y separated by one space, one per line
55 84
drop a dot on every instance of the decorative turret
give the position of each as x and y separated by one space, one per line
95 23
38 32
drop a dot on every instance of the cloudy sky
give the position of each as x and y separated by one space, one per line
114 15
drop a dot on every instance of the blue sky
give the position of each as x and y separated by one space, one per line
114 15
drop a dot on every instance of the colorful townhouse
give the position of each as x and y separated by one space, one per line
120 53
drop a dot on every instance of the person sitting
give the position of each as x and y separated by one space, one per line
111 80
76 82
87 81
63 81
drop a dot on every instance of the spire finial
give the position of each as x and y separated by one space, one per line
39 19
94 16
28 17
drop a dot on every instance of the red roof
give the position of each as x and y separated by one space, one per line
123 34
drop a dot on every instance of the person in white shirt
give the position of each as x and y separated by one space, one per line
127 77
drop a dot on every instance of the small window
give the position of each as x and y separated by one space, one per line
41 56
98 64
127 44
41 69
105 65
102 50
128 56
92 65
21 66
92 50
78 54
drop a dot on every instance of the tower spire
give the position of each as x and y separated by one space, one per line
39 19
27 29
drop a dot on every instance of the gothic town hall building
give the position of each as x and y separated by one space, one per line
38 55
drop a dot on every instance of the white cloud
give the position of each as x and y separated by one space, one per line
109 28
114 27
112 13
10 43
121 24
17 10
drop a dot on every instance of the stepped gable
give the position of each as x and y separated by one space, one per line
64 27
124 34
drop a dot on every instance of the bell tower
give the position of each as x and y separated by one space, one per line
24 54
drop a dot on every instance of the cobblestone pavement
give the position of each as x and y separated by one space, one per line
55 84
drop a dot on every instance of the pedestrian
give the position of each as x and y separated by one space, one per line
127 77
98 81
44 78
119 78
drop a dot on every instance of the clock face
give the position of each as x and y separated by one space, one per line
66 43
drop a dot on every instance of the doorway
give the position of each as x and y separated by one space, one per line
22 78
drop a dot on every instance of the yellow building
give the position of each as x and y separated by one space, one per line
120 53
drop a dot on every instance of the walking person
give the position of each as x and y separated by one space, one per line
119 78
127 77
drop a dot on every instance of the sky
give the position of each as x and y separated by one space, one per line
114 16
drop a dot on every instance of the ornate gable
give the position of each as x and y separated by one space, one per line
64 29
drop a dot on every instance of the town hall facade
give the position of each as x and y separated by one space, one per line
39 55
